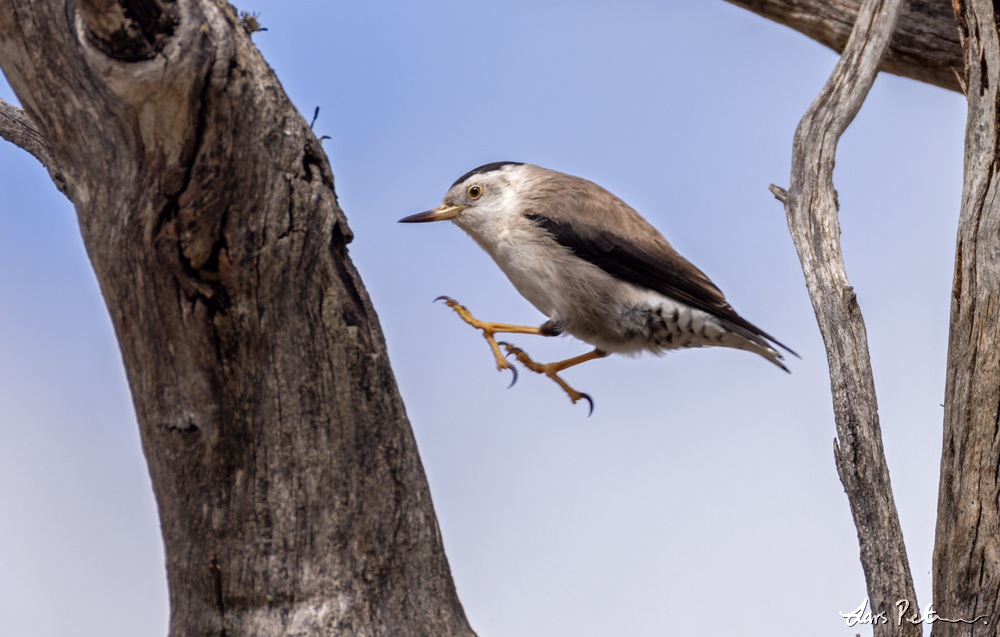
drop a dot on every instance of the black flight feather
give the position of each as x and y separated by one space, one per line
630 262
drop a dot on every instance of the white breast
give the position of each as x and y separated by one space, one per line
521 257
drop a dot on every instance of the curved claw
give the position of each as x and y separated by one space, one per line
446 299
589 400
512 380
509 366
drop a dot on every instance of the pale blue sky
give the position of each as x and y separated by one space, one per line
702 494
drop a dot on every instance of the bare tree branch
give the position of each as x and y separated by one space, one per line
925 46
811 206
17 128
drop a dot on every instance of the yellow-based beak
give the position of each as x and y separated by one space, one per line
441 213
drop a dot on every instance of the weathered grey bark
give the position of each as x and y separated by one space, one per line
17 128
925 46
291 496
967 541
811 206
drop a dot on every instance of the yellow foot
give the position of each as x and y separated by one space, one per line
552 369
489 329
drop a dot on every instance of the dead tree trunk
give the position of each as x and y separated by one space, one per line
967 539
290 493
967 542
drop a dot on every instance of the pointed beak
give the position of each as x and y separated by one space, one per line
441 213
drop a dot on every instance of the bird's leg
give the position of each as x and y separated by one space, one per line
552 369
489 329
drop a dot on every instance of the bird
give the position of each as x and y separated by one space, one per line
594 266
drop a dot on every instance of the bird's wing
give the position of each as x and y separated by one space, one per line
626 246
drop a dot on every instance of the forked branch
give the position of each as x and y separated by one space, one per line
811 207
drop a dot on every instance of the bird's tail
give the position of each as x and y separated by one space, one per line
756 341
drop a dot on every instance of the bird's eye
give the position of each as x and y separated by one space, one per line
475 192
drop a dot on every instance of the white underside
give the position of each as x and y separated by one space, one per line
611 314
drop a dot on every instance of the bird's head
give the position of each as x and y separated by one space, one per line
485 195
